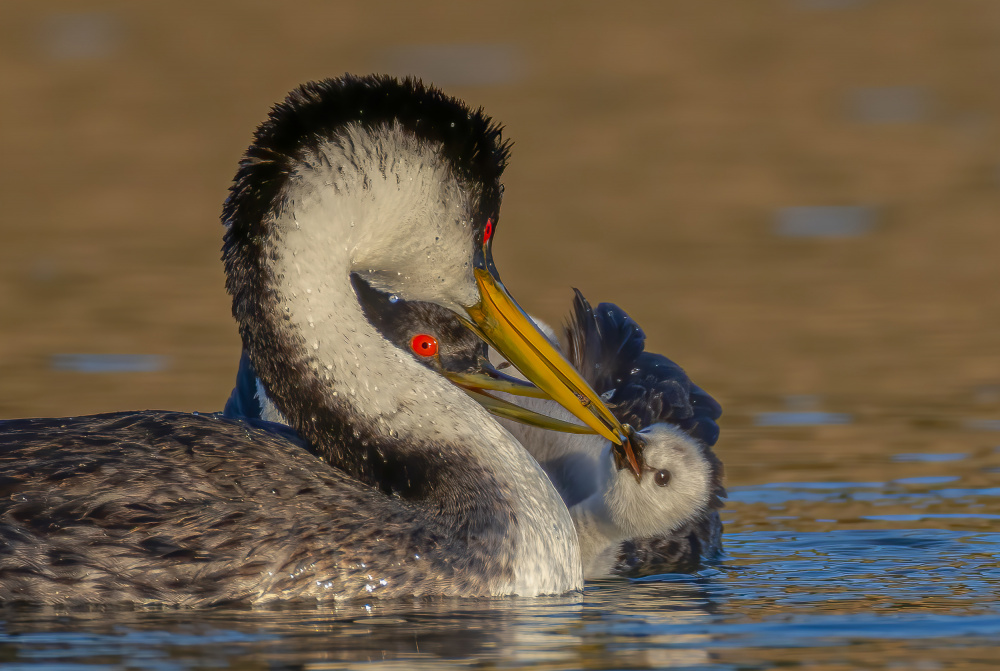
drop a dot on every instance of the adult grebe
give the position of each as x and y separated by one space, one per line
620 508
664 522
403 486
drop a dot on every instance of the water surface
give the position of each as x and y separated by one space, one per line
839 571
797 201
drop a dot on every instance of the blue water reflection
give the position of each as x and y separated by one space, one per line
886 555
950 456
924 589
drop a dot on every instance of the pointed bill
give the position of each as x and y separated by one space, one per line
501 322
630 453
507 410
492 380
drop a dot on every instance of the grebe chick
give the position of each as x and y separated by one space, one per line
401 485
675 488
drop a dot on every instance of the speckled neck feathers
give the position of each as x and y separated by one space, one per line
398 194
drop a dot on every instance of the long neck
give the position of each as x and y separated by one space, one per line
391 422
369 408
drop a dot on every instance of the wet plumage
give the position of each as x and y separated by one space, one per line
643 389
189 510
400 484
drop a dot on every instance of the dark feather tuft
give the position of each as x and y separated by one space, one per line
642 388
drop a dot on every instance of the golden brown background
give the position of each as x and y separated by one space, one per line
656 145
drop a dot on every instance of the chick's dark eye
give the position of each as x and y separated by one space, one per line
662 478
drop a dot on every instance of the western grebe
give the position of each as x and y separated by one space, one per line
665 522
402 485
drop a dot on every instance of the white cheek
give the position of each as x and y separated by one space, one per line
655 509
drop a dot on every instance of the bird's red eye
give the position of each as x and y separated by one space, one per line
424 345
488 232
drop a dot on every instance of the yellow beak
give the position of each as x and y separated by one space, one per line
501 322
502 408
476 381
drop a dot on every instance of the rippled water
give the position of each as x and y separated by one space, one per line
886 556
788 196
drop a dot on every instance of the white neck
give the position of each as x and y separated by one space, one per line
599 535
324 234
